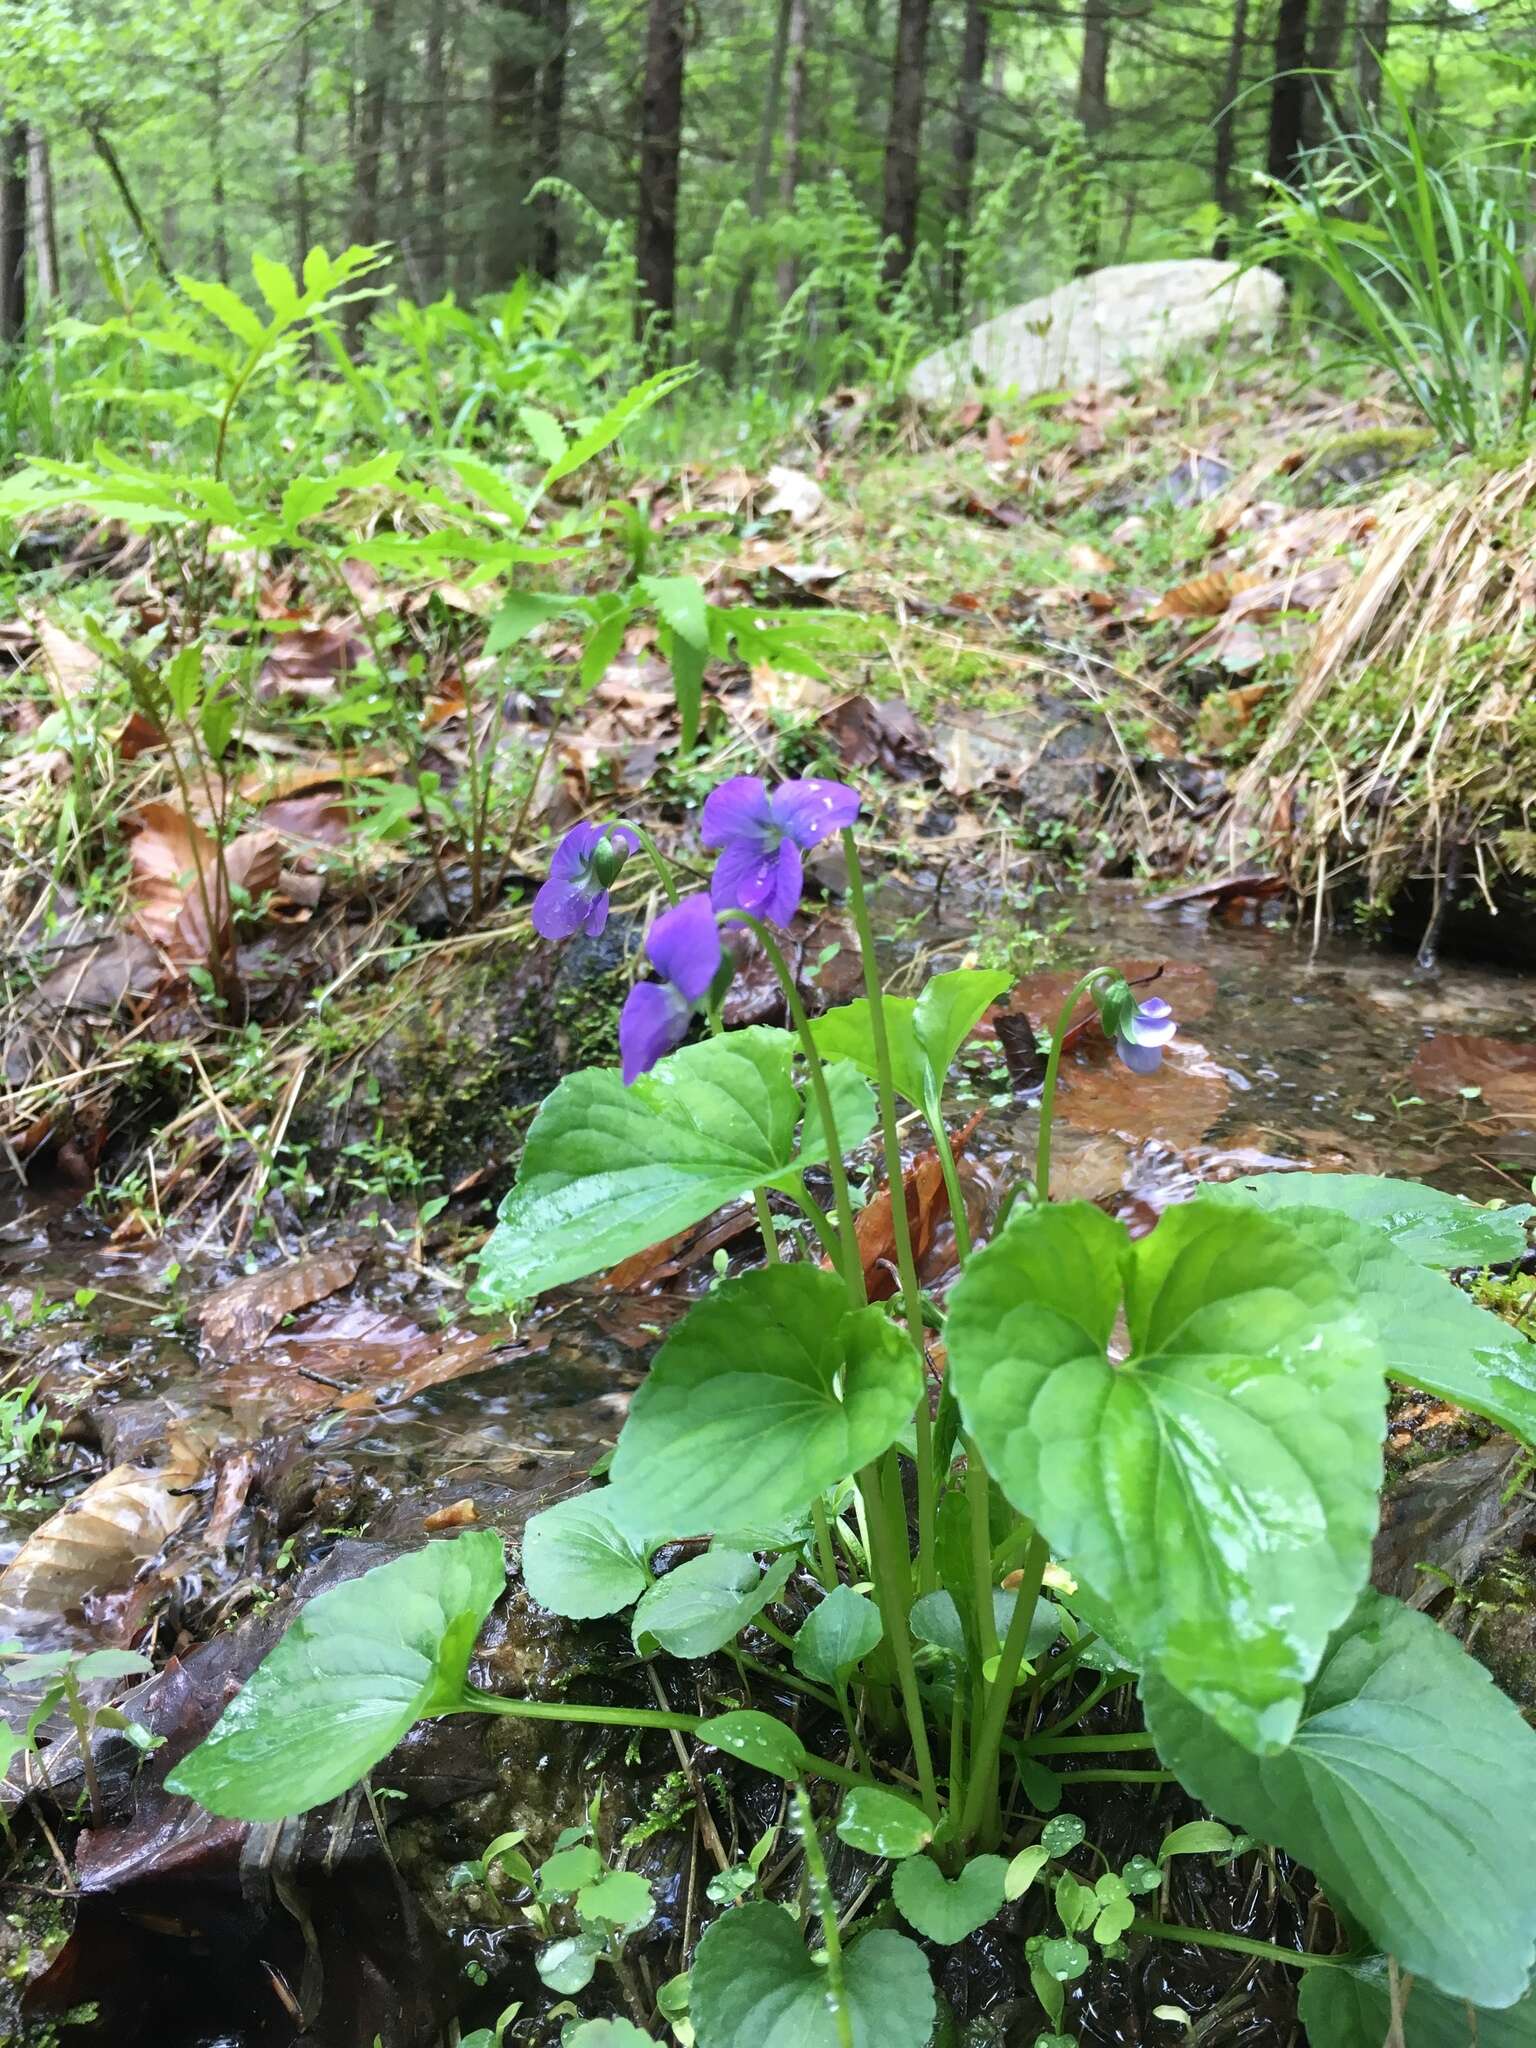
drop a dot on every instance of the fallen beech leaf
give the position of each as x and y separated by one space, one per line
177 884
1205 597
309 660
246 1312
348 1356
96 1544
72 665
927 1209
1502 1070
459 1514
1177 1104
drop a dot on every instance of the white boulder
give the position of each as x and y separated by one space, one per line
1106 328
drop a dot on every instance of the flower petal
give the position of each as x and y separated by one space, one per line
747 877
1141 1059
573 853
563 907
684 943
809 810
597 915
738 810
1151 1023
653 1022
788 880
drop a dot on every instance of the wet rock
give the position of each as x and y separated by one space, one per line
1106 328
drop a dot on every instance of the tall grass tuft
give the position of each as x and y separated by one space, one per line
1426 257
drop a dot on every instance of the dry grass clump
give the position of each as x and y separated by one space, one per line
1408 745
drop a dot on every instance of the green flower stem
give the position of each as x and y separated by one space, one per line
697 1725
888 1556
976 1498
765 1225
1077 1713
831 1243
853 1271
1088 1745
934 1118
663 868
901 1228
826 1556
780 1676
1239 1944
1122 1778
981 1805
1048 1092
1061 1664
825 1906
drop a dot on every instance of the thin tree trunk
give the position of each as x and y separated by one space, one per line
1224 159
216 167
762 165
549 153
13 234
973 69
1323 62
435 150
303 227
661 149
102 144
903 141
794 130
1370 50
45 233
1093 69
1288 94
514 103
371 102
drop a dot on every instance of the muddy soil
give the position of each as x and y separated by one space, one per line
285 1452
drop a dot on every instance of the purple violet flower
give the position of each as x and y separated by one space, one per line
761 834
585 867
1142 1035
684 943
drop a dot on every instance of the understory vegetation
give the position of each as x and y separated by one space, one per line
650 1387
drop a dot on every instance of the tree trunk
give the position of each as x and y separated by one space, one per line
1370 50
216 168
973 69
45 232
1323 62
661 149
101 142
794 130
1093 69
549 151
903 141
303 226
1224 159
13 235
762 164
371 103
514 109
1288 94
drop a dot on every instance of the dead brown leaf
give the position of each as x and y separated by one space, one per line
1204 597
308 661
244 1314
70 664
1501 1070
178 886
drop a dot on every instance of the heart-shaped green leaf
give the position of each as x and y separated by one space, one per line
610 2034
1352 2008
755 1986
1219 1487
1432 1336
769 1392
947 1909
757 1739
578 1562
1426 1224
837 1635
1400 1791
705 1602
358 1668
608 1170
924 1033
882 1823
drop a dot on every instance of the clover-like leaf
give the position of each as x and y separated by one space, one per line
1400 1790
756 1986
1351 2007
359 1667
705 1602
947 1909
769 1392
1432 1336
578 1562
1218 1488
608 1170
